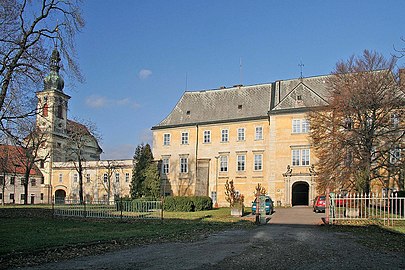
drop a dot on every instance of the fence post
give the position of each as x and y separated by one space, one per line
327 206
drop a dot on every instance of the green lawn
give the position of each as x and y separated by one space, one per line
27 234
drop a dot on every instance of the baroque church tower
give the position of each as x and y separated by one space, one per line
52 116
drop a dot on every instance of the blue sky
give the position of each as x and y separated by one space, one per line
136 55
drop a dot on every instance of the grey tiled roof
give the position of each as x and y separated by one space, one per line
230 104
223 105
312 91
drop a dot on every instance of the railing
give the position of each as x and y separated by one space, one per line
136 209
365 207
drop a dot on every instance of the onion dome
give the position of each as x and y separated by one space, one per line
54 80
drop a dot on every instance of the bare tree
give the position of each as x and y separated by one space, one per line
358 136
111 167
81 143
30 151
28 31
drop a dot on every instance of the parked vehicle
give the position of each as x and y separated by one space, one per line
269 206
319 203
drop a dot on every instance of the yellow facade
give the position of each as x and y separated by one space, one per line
280 159
96 178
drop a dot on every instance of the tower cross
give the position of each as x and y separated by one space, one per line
301 65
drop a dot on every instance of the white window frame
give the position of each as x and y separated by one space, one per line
166 139
223 163
305 126
259 133
117 177
301 157
88 178
207 136
75 178
183 165
105 178
127 177
241 163
258 162
165 165
241 134
225 135
184 137
296 126
60 178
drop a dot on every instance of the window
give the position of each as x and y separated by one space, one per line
22 196
33 182
241 134
22 180
60 178
88 178
259 133
395 155
165 166
214 196
300 157
42 196
166 139
184 138
75 178
207 136
223 163
41 164
42 180
258 162
394 120
224 135
183 165
1 180
11 196
12 180
304 126
1 196
105 178
296 126
305 157
127 177
241 162
117 177
300 126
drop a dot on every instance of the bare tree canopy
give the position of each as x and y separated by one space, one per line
29 30
358 136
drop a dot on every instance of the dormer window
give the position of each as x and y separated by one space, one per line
240 107
299 97
188 113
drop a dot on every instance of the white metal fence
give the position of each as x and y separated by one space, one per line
136 209
365 207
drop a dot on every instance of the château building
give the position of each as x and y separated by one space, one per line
252 135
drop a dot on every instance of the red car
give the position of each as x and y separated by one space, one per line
319 203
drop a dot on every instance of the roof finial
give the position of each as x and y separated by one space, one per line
301 65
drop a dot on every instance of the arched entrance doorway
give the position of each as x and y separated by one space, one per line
300 192
60 196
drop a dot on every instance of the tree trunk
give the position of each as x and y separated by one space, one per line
80 182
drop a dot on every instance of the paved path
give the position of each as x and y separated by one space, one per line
289 241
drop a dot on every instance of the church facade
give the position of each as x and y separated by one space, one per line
249 134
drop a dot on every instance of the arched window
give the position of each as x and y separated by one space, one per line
45 110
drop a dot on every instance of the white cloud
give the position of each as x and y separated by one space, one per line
96 101
103 102
143 74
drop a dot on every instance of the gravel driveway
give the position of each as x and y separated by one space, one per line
291 240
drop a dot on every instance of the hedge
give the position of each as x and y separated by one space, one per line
187 203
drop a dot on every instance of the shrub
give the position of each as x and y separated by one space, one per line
187 204
202 203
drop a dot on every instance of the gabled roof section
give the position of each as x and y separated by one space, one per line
301 93
13 160
210 106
